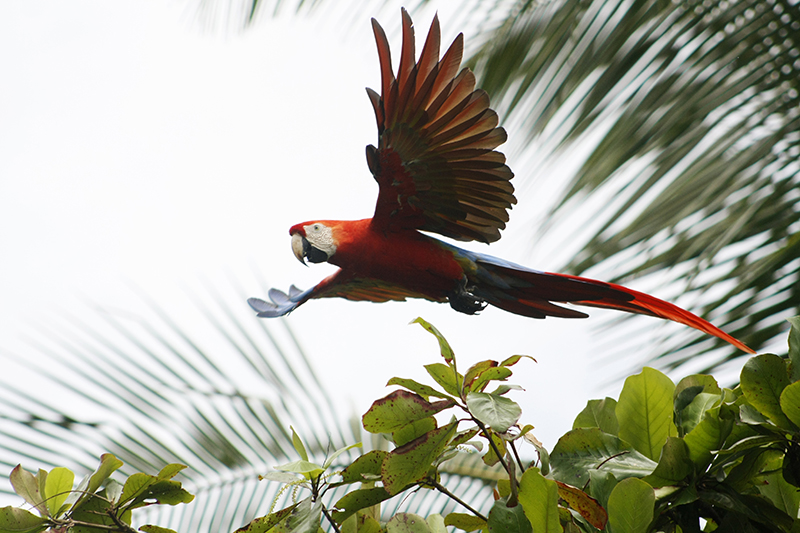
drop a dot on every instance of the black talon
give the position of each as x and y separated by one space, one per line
463 301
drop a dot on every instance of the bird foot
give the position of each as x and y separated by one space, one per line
463 301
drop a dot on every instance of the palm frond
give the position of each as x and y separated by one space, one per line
217 395
696 108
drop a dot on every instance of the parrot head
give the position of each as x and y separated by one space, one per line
312 240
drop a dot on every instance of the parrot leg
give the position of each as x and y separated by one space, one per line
462 300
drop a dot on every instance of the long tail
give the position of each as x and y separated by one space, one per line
531 293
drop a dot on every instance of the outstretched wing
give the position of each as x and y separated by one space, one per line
435 163
337 285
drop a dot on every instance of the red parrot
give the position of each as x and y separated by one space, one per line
438 171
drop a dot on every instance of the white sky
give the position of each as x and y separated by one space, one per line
136 148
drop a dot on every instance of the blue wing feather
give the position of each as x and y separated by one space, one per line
282 304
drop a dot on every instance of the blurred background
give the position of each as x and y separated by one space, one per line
153 156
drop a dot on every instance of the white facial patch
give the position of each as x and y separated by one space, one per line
320 237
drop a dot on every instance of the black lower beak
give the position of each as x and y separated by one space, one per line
314 255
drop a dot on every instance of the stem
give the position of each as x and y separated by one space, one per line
315 495
516 455
441 488
330 519
118 522
491 443
612 457
93 525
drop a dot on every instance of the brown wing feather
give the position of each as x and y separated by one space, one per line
342 285
436 163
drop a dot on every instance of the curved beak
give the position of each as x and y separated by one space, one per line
300 247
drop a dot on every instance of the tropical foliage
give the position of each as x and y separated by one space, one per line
663 457
695 105
218 397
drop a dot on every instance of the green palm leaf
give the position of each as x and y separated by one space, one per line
696 107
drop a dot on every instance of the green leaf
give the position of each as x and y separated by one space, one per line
693 396
446 377
583 450
491 458
644 412
41 479
167 492
790 469
361 523
298 445
27 486
413 430
784 496
354 501
705 382
599 414
15 520
464 436
280 477
170 471
369 463
399 409
94 510
755 508
630 506
266 523
503 389
308 469
500 373
763 379
136 485
601 484
304 518
140 487
426 391
407 523
497 412
465 522
707 436
329 461
474 371
108 465
156 529
436 523
514 359
790 402
674 465
794 347
539 499
503 519
444 347
411 462
57 489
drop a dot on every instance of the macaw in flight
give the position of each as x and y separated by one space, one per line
438 171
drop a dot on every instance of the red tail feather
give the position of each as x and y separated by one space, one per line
645 304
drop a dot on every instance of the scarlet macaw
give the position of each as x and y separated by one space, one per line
438 171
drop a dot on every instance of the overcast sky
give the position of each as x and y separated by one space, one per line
137 149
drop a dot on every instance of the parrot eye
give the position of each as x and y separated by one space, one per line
316 227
